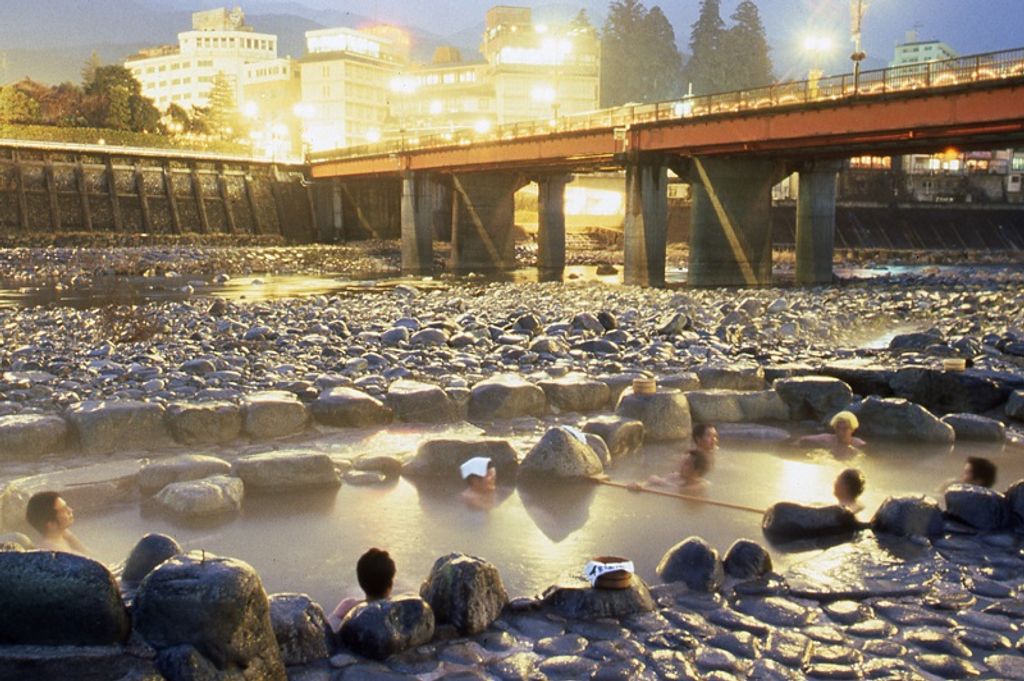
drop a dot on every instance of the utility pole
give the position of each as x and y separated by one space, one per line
857 9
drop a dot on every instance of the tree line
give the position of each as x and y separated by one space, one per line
110 97
641 61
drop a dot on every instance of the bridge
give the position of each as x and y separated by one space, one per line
731 147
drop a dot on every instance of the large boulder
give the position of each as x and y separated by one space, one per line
909 516
213 607
976 428
747 559
1015 405
204 423
156 475
693 562
147 553
576 393
349 408
979 507
31 435
732 377
863 377
271 414
504 397
1015 503
665 414
379 629
787 520
561 453
442 457
104 427
946 392
465 592
54 599
813 397
285 471
418 402
579 601
217 495
897 419
736 406
300 628
622 436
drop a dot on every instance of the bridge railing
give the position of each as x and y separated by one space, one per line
959 71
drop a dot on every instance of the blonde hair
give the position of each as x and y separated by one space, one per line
847 416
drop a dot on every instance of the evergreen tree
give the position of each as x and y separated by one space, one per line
222 118
663 75
116 101
707 69
746 50
623 64
17 106
92 64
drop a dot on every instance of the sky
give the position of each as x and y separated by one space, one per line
969 26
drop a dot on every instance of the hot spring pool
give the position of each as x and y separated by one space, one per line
309 542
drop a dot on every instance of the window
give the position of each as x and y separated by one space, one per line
1018 163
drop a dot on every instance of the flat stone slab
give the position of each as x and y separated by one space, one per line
107 426
864 569
82 663
287 470
578 600
196 498
31 435
272 414
155 476
204 423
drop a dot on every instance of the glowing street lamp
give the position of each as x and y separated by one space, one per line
818 46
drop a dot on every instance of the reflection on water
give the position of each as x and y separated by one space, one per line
535 534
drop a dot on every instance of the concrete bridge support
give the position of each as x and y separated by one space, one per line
816 221
426 202
371 209
551 225
731 230
483 220
645 229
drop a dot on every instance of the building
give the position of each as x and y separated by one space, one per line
915 51
346 77
530 72
271 92
183 74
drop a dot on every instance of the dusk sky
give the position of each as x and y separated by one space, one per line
969 26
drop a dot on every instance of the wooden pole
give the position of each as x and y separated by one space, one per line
677 495
140 191
19 181
83 196
197 192
172 205
115 202
51 194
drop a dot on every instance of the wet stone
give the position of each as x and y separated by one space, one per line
883 648
620 670
839 655
673 665
645 622
675 640
847 612
768 585
1009 667
989 588
597 630
822 670
1012 609
936 641
824 634
888 669
462 653
536 626
911 616
770 670
787 647
497 641
699 602
567 667
370 672
873 628
983 640
947 667
991 622
607 651
709 659
737 622
515 667
740 644
691 622
775 611
566 644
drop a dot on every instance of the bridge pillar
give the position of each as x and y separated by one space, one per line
731 222
551 225
371 209
645 229
816 221
420 194
483 220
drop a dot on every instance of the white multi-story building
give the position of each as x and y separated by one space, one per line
346 75
915 51
219 42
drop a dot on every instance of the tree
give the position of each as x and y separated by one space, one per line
92 64
664 72
63 105
222 118
707 68
745 49
116 101
17 107
622 66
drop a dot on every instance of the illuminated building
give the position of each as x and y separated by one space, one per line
183 74
915 51
345 77
271 92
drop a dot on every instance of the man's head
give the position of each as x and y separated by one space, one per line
375 571
705 436
48 513
979 471
480 474
849 485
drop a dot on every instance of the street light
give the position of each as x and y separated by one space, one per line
818 46
857 9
